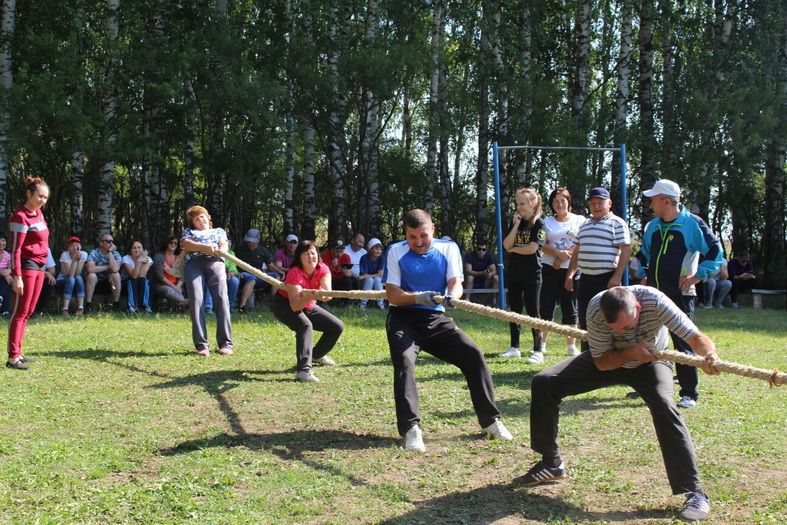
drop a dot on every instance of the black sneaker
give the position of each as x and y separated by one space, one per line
242 309
18 365
696 508
88 307
542 473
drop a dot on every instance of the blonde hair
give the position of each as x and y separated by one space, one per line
534 199
195 211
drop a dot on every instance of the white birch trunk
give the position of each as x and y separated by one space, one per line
188 149
337 226
106 187
309 208
7 24
436 39
524 166
369 154
77 201
482 162
292 136
622 87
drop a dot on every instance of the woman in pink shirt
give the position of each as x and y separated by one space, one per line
302 315
29 241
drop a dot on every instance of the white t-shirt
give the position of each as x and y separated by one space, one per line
561 236
127 259
355 258
65 257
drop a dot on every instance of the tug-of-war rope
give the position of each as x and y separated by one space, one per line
773 377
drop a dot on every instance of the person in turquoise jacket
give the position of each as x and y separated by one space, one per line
671 248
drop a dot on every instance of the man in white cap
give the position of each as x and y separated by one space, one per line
282 259
671 247
371 273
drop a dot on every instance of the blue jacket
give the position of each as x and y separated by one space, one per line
666 263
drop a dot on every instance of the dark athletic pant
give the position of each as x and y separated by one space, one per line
411 330
688 376
588 287
303 323
653 381
529 293
552 291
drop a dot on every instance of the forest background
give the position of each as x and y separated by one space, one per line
327 117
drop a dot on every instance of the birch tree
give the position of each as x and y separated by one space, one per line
106 187
623 69
6 82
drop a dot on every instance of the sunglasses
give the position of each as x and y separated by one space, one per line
481 249
108 240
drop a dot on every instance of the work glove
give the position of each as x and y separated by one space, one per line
425 298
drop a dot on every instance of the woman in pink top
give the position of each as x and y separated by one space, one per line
302 315
29 240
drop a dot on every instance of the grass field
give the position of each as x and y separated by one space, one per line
119 422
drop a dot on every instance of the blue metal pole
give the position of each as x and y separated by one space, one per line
498 219
624 200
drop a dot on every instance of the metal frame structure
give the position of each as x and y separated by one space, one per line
498 205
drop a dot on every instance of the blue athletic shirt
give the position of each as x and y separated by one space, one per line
429 272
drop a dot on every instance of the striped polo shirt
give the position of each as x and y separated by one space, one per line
658 316
599 243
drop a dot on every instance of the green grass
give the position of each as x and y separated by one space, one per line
118 422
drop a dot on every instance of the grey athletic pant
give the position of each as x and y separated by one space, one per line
212 270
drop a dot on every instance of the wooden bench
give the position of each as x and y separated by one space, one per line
490 291
757 293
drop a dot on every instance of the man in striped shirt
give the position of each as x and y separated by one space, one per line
603 251
624 324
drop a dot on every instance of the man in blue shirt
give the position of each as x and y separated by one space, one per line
416 270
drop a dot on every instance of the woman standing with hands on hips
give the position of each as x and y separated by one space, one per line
524 242
302 315
29 241
202 243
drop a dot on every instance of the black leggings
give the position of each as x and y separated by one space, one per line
528 293
552 290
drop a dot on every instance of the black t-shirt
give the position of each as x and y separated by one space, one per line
523 268
478 265
253 257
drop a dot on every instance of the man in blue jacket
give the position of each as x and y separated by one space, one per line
671 246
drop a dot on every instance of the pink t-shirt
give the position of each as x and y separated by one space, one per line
297 276
5 260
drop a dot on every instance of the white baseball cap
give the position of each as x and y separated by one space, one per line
663 187
374 241
292 237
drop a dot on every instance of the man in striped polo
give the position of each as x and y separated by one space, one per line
624 324
603 251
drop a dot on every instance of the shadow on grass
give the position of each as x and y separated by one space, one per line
493 503
297 445
101 354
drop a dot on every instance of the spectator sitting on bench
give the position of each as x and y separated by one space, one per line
254 254
49 284
372 271
135 267
341 268
283 258
102 272
6 280
167 282
70 281
479 267
717 287
742 275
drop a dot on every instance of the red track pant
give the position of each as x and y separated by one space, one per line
22 308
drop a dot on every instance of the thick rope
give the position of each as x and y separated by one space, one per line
773 377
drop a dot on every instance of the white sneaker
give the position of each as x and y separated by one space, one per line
686 402
512 352
735 305
325 361
536 358
414 439
306 376
543 348
498 430
573 351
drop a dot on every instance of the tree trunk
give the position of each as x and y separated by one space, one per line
438 26
622 96
579 93
524 166
307 228
645 95
669 144
106 187
337 225
188 150
482 162
407 124
501 83
7 25
372 220
76 199
288 211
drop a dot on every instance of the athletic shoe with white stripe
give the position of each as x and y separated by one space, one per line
542 473
696 508
512 352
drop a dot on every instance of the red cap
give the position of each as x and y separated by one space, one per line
73 238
